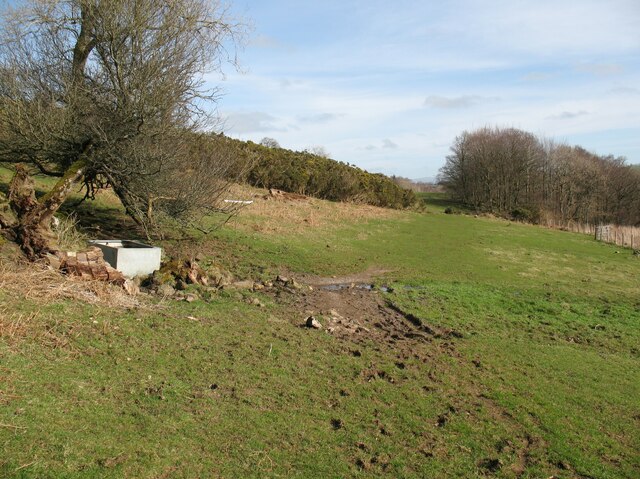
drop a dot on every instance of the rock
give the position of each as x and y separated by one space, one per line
258 286
190 298
282 279
292 283
180 284
257 302
165 290
131 287
284 195
54 262
163 276
219 277
188 271
248 284
313 323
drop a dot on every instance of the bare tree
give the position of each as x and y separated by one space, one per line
511 172
269 142
104 93
318 151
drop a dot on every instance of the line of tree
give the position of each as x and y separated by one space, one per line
511 172
312 174
417 186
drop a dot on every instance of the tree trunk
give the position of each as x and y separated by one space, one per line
33 227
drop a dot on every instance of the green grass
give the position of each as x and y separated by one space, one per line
544 381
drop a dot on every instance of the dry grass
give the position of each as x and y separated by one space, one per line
69 237
48 331
41 284
276 216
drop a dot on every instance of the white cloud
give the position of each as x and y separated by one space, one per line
538 76
318 118
601 69
546 27
269 42
568 115
624 91
388 144
250 122
464 101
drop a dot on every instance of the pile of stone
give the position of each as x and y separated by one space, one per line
88 264
284 195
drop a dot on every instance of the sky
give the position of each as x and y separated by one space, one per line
387 86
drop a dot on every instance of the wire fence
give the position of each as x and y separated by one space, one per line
625 236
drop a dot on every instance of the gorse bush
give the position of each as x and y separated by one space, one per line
309 174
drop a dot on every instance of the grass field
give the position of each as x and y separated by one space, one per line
531 367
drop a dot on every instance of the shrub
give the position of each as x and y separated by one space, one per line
525 214
309 174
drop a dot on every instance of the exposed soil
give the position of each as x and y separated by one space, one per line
352 309
365 277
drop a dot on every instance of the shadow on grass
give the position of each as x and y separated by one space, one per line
102 222
103 218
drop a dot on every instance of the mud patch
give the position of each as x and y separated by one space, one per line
361 315
362 286
364 277
352 308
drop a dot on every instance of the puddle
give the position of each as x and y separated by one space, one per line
369 287
359 286
409 287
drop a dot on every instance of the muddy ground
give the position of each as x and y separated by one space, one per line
356 310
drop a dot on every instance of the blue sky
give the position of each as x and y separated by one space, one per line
388 85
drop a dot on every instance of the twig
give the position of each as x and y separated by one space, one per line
11 426
25 466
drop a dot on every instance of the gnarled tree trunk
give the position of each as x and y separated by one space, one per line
32 228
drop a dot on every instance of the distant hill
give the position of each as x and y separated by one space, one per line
426 179
418 186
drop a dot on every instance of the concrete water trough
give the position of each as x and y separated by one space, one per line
131 258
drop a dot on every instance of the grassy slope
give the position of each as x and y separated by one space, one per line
545 380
